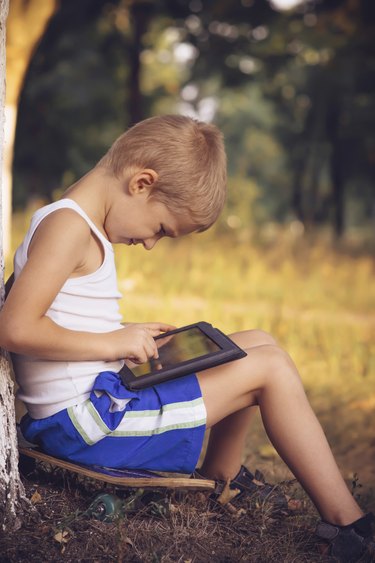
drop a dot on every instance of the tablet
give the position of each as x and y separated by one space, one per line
182 351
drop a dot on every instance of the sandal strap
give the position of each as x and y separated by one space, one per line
253 486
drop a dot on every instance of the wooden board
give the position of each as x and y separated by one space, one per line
126 478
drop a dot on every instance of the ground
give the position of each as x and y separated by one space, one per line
183 527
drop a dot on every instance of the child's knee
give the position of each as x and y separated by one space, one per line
281 369
251 338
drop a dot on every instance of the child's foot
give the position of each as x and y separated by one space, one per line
349 544
245 484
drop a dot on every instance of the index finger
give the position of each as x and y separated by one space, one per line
157 328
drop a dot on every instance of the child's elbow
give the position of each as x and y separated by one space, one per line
12 336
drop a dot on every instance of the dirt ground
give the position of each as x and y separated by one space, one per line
178 527
185 527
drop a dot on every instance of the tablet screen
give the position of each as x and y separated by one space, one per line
176 348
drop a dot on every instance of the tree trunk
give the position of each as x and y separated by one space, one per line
297 186
25 26
141 12
338 190
11 489
336 168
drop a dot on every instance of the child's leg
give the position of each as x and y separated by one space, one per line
267 377
227 438
226 445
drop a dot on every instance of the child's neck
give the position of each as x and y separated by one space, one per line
93 193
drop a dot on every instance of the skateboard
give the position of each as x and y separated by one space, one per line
107 506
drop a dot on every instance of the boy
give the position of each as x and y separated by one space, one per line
164 177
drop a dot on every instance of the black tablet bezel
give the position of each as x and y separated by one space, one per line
228 351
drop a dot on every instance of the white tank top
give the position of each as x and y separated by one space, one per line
87 303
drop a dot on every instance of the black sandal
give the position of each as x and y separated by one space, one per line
351 543
254 487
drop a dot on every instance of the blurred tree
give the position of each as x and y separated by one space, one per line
11 488
316 65
337 69
141 12
75 100
25 25
280 77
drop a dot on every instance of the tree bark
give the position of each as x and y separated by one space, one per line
336 165
141 12
11 489
25 26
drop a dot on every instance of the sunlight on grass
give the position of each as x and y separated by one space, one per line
318 303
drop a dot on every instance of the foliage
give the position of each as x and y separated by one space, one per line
291 92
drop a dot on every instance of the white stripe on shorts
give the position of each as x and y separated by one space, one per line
173 416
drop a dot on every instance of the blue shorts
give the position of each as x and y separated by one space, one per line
159 428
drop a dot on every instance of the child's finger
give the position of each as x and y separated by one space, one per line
141 356
149 347
157 328
152 350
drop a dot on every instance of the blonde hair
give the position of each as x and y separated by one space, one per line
189 158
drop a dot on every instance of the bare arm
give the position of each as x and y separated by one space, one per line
58 251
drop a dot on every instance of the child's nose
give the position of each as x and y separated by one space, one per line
149 243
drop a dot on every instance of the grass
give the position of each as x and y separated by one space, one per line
179 527
317 300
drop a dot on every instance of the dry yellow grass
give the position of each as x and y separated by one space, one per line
319 303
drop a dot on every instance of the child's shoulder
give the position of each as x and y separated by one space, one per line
54 216
65 206
54 225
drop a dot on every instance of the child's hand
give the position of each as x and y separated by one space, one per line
136 342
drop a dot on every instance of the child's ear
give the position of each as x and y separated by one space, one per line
143 181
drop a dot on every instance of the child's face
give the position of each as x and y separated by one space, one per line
143 220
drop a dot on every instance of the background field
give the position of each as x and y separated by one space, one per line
318 301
